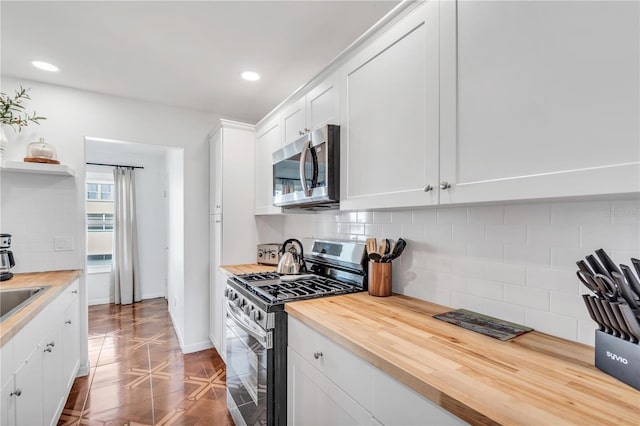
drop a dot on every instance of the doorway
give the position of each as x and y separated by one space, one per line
153 215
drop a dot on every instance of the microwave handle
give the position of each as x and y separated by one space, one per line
303 176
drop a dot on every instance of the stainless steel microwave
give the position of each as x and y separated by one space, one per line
306 173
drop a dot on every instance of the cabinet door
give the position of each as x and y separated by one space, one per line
396 404
539 99
53 382
221 316
389 137
268 140
293 121
28 380
312 399
215 174
323 103
71 343
8 402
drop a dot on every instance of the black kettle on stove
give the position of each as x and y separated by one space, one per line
292 259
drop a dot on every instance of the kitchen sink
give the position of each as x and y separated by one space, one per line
12 300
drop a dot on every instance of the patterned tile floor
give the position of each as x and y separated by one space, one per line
139 376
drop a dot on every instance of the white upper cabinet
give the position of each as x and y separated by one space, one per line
320 106
389 134
293 121
539 99
268 140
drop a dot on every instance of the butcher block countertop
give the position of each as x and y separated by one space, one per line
534 379
249 268
57 280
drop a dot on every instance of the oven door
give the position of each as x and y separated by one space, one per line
303 171
246 368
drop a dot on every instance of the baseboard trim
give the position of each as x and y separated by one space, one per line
195 347
99 302
178 332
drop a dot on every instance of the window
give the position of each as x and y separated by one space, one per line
100 223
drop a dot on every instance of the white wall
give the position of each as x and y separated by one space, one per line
151 212
73 115
511 261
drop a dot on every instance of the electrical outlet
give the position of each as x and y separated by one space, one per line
63 243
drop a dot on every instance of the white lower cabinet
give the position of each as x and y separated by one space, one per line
28 390
329 385
45 357
313 399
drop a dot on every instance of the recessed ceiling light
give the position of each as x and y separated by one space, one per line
44 66
250 76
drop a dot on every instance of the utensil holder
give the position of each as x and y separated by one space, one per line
380 276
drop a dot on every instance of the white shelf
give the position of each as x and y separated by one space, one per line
42 168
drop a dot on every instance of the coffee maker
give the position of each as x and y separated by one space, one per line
6 257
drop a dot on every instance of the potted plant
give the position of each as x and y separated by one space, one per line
13 114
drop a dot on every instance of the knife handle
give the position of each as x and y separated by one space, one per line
597 302
625 291
631 320
592 313
631 279
596 266
622 324
607 262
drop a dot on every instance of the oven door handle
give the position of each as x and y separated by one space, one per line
255 332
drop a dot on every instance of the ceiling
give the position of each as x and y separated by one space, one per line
187 54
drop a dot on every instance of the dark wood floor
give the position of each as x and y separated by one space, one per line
139 376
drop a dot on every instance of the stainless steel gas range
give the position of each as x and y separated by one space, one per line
257 325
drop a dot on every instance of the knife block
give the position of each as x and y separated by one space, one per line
618 358
380 275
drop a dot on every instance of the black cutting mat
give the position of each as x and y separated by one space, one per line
484 324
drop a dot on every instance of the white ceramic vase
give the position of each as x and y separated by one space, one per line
4 142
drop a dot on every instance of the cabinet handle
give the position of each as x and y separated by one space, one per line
428 188
445 185
52 344
217 220
75 292
218 206
67 322
48 349
16 392
317 355
300 132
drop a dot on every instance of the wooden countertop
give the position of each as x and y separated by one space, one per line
534 379
57 280
248 268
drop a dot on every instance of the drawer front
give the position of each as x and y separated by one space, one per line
349 372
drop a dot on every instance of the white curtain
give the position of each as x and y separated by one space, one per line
125 274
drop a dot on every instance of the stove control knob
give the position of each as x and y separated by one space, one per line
254 315
248 309
272 254
227 291
238 302
260 254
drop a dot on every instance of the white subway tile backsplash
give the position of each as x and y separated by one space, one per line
468 267
554 235
425 216
374 230
582 212
466 301
527 214
587 332
469 233
562 280
401 217
527 255
568 304
616 237
485 288
489 252
505 311
486 215
381 217
364 217
547 322
626 212
512 261
506 273
507 234
451 215
438 232
357 229
526 296
414 232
